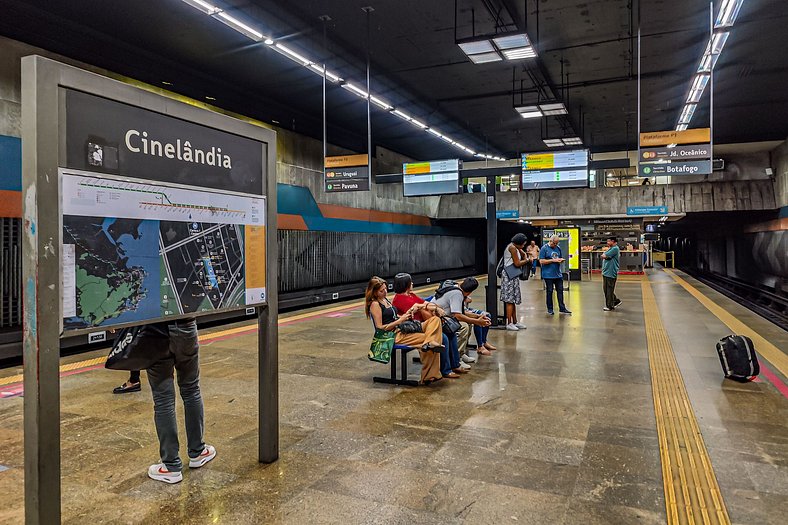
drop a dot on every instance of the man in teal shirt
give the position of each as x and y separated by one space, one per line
610 265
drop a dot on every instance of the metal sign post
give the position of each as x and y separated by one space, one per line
172 208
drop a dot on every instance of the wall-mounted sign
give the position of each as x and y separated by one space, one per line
647 210
507 214
346 173
663 138
688 167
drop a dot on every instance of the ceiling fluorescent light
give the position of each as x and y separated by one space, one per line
528 111
485 58
698 86
573 141
476 47
293 55
238 26
435 132
553 143
686 113
478 155
354 89
447 139
512 41
402 115
682 127
418 123
553 109
205 7
317 68
729 10
382 103
519 53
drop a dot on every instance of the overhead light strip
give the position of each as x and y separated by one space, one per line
314 66
726 16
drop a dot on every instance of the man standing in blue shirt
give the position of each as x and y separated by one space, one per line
550 258
610 265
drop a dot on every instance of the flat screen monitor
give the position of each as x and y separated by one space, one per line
437 177
555 169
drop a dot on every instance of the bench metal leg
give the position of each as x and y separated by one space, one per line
404 381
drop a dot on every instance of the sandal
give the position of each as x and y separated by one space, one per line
483 351
452 375
489 347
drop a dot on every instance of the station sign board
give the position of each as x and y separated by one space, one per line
507 214
435 177
647 210
346 173
663 138
687 167
690 152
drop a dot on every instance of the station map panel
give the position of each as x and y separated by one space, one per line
139 251
560 169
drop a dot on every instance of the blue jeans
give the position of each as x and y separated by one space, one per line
533 267
558 284
184 357
480 332
453 354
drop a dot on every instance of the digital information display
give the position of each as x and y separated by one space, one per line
437 177
560 169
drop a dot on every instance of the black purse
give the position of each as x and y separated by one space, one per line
450 325
139 347
410 327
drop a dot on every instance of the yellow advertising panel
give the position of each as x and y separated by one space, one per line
254 254
573 234
663 138
345 161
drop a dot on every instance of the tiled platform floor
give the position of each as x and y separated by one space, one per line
556 427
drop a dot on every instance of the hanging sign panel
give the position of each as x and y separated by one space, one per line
691 152
663 138
436 177
675 167
346 173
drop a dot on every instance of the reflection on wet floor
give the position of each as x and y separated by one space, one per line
557 426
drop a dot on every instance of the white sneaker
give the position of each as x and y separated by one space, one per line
467 359
512 327
464 365
520 326
159 472
208 453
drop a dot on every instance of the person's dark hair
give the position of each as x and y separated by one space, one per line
612 239
519 238
469 284
402 282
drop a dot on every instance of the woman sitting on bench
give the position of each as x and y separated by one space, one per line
428 341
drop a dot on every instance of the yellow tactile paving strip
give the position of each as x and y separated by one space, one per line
692 494
765 349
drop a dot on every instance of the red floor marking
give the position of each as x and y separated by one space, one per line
773 379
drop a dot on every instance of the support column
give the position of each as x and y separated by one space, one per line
492 255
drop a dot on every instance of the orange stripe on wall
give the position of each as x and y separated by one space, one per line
285 221
770 226
10 203
332 211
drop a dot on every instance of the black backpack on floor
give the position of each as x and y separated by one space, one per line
737 357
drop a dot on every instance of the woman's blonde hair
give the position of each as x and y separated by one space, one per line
372 288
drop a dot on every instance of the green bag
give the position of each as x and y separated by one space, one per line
382 345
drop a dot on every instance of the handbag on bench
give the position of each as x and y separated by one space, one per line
382 346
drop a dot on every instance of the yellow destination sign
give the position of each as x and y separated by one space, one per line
663 138
540 161
345 161
414 168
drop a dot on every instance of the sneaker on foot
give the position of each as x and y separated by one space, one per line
618 302
550 312
208 453
606 309
468 359
512 327
520 326
464 366
159 472
565 311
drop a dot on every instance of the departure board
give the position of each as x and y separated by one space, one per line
437 177
560 169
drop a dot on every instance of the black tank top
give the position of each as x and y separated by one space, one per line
389 313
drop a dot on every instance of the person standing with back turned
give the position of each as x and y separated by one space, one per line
610 266
550 259
183 357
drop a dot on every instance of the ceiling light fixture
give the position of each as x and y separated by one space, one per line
553 108
726 16
249 31
573 141
553 143
529 111
494 48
